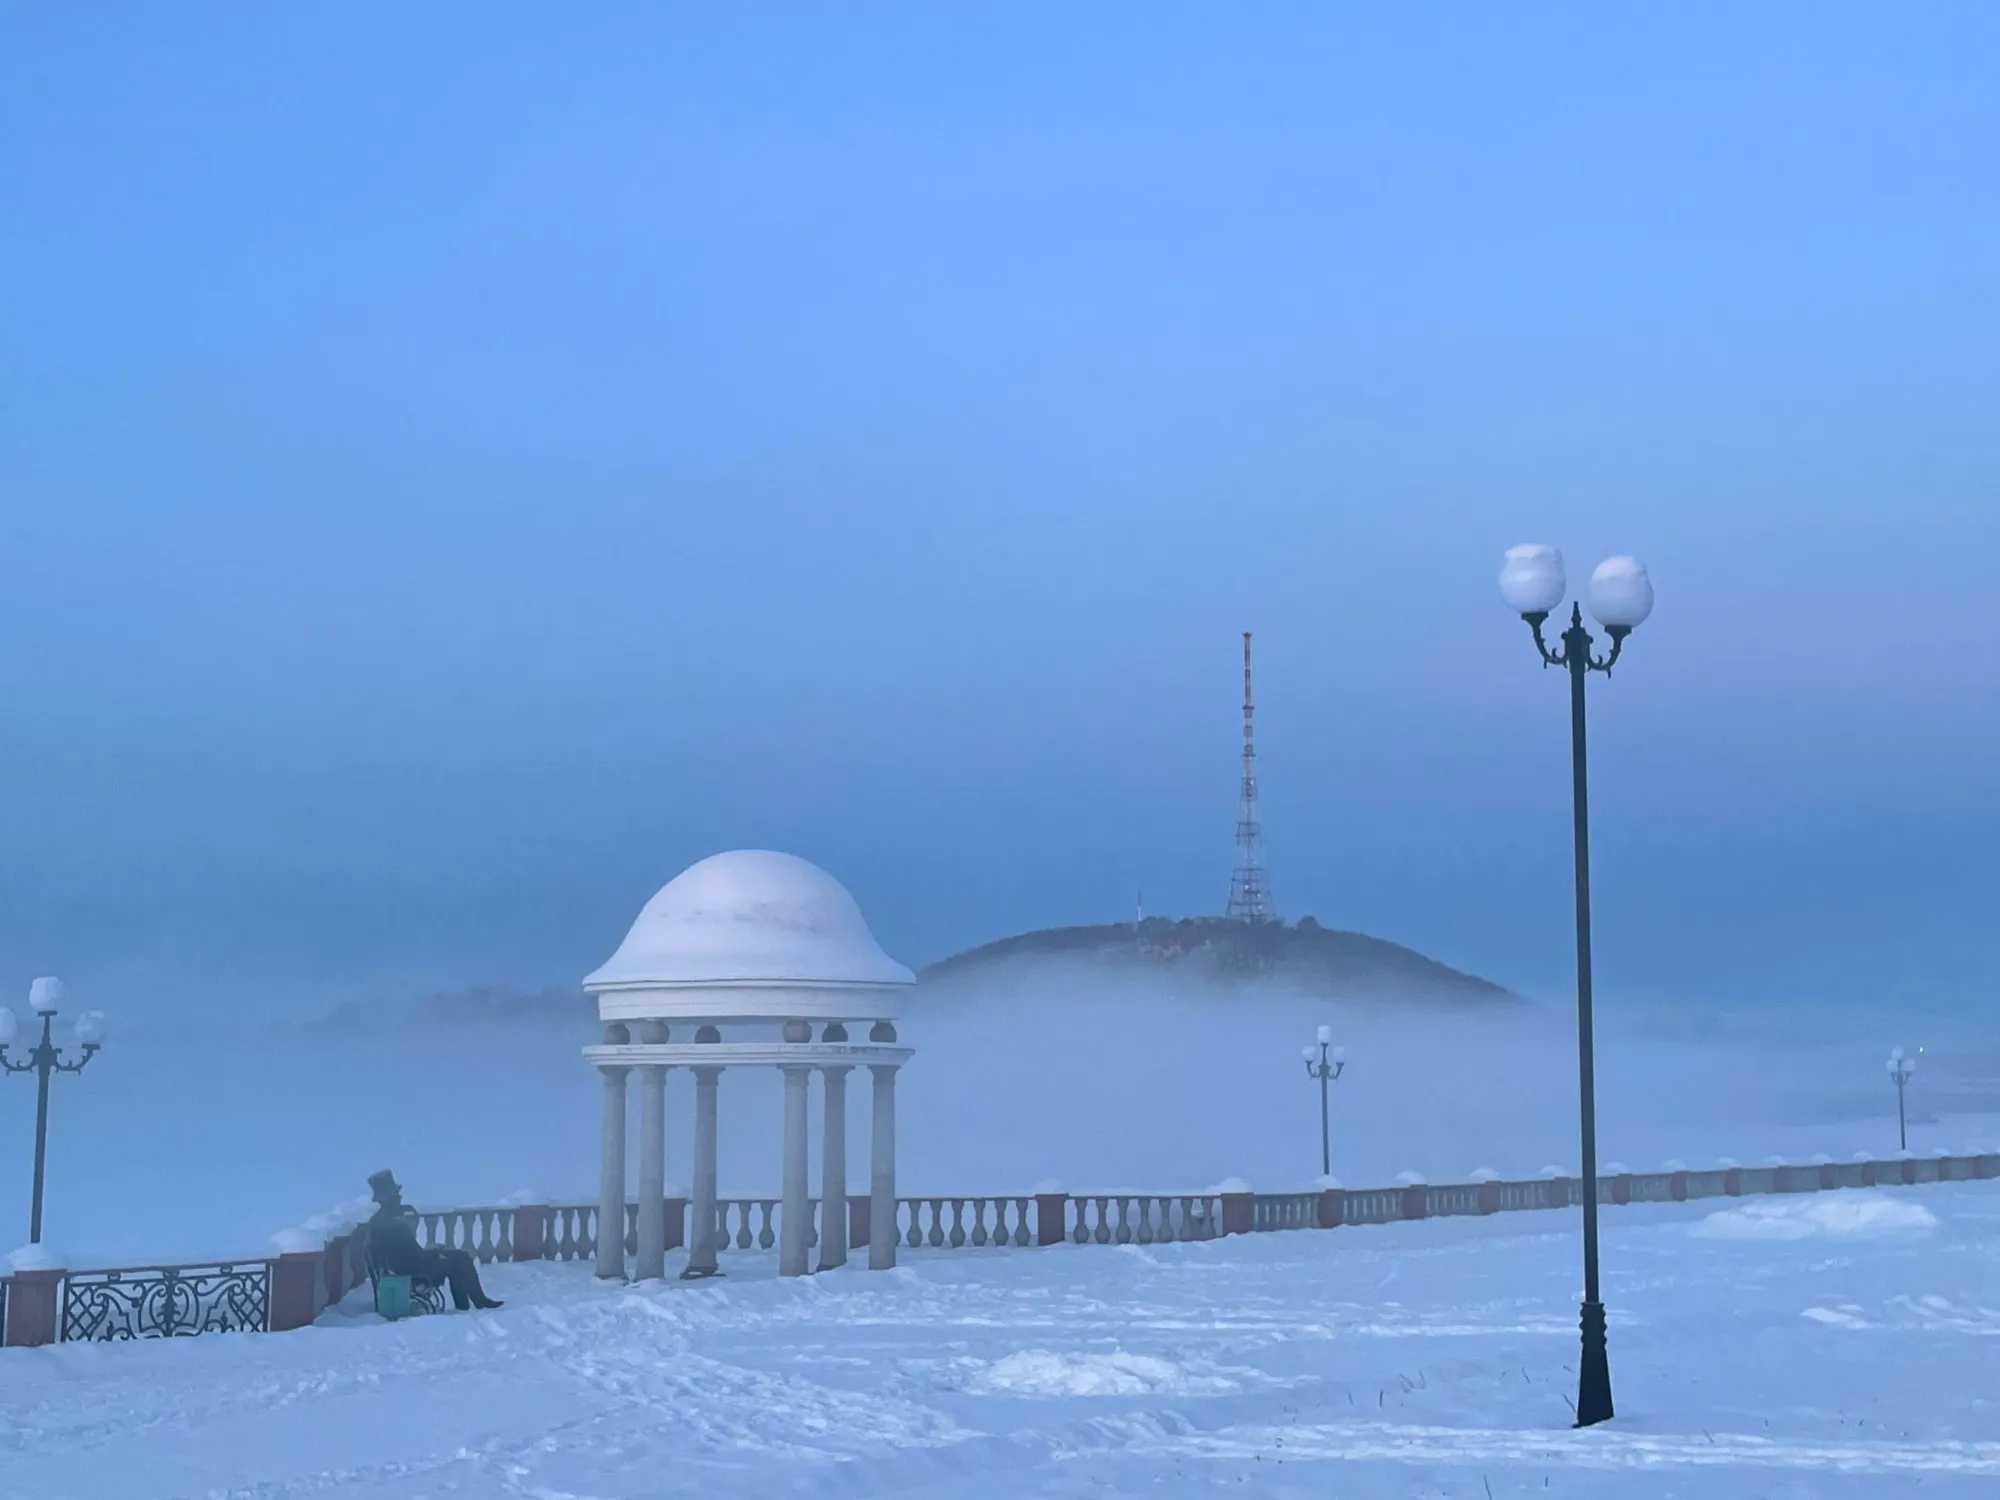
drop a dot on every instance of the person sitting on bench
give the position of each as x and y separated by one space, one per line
392 1241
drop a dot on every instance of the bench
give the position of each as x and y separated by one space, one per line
398 1297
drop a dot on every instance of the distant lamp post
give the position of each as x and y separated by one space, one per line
1325 1062
46 996
1901 1070
1621 597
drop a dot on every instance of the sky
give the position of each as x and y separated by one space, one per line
460 466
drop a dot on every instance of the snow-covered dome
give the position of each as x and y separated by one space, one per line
751 919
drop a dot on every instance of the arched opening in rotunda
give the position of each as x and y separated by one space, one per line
750 959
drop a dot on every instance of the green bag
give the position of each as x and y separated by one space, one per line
392 1297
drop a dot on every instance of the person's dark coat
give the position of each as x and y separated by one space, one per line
392 1238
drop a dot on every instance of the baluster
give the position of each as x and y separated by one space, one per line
1146 1221
766 1236
1080 1212
957 1235
979 1236
908 1213
1124 1235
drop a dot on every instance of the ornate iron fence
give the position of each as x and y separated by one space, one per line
166 1302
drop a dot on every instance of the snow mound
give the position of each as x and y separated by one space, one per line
37 1258
1044 1373
1844 1217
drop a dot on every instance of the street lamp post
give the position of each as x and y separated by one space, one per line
1621 596
46 996
1325 1062
1901 1070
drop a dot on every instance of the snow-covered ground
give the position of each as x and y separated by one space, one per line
1833 1345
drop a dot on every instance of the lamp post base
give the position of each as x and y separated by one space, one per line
1593 1376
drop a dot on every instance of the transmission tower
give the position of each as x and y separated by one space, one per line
1249 891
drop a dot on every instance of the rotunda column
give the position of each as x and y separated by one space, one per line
701 1204
833 1163
882 1232
795 1223
650 1261
611 1175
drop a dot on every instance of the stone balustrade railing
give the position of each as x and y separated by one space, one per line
569 1231
43 1300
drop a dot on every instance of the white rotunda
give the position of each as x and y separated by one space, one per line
751 941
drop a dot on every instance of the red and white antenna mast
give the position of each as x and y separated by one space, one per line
1249 889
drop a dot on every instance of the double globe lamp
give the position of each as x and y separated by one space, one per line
1533 583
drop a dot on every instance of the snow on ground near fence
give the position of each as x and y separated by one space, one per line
1850 1356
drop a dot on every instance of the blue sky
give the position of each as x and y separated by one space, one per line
459 466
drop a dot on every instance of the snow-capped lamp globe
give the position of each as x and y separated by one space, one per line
1325 1035
1532 580
1533 583
1621 595
44 1059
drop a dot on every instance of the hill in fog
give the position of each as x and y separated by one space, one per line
1306 959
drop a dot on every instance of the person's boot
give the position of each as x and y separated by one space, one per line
486 1304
